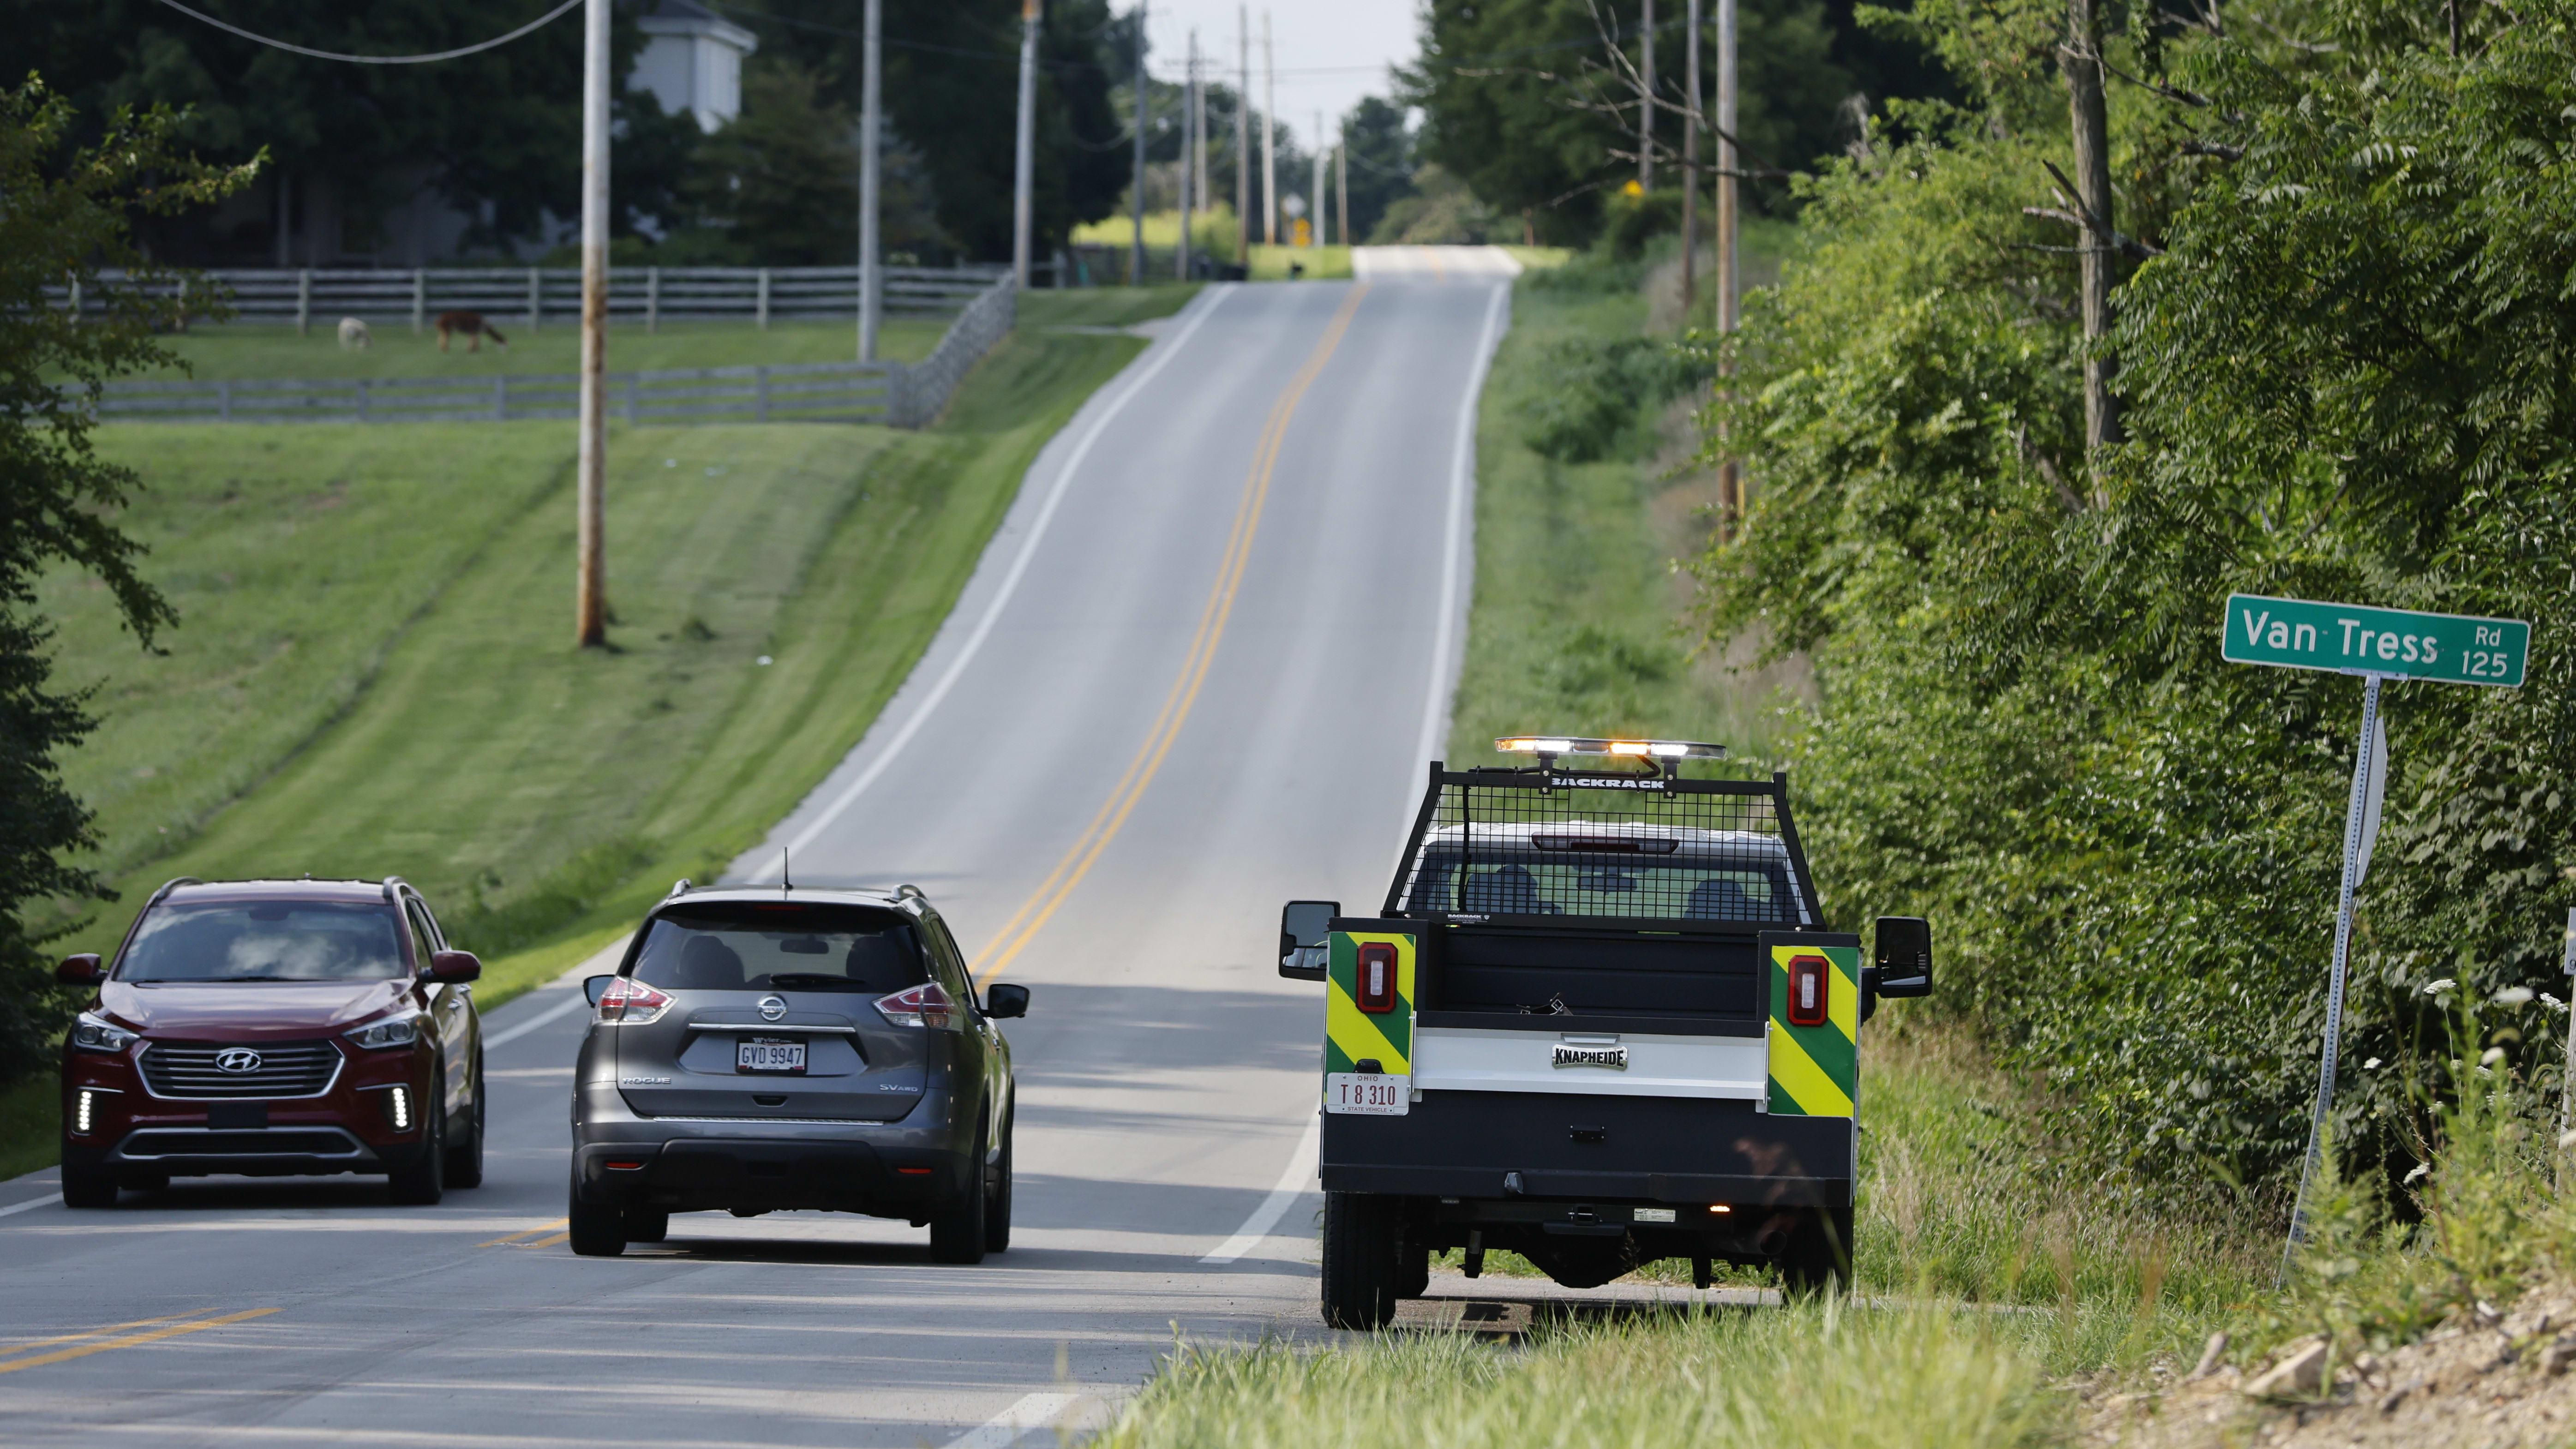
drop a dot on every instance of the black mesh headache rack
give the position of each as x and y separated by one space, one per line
1641 850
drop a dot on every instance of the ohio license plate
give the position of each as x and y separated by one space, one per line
768 1054
1367 1094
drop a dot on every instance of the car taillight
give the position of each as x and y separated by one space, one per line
1376 992
632 1002
1810 990
924 1005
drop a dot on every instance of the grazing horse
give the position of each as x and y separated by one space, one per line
474 328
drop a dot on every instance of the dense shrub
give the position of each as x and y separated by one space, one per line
2347 378
1602 394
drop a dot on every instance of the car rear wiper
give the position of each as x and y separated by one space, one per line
815 981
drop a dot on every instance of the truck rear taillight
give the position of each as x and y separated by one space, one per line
1376 992
1810 991
632 1002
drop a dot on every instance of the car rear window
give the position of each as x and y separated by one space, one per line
264 941
762 945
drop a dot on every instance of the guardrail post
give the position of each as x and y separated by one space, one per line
501 398
760 375
764 299
419 299
536 297
304 302
652 301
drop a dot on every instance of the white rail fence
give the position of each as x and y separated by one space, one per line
903 395
531 296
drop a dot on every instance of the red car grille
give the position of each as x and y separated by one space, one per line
271 1069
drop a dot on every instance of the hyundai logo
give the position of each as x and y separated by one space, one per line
237 1059
771 1008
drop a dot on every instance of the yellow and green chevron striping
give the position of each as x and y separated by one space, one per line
1352 1035
1815 1070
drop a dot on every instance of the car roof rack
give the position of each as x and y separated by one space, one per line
679 887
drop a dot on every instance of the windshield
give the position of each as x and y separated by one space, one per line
1529 883
763 945
265 941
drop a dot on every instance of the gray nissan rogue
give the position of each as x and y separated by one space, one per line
762 1049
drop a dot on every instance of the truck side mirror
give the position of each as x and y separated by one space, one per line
1305 935
1904 957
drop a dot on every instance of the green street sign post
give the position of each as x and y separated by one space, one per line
2382 643
2378 645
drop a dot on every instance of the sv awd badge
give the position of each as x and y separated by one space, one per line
1613 1057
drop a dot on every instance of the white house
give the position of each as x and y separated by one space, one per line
692 61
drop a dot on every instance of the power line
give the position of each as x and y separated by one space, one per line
375 59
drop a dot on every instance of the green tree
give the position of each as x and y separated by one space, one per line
66 216
2344 363
1379 148
497 133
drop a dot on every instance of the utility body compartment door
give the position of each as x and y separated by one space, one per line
1372 974
1812 992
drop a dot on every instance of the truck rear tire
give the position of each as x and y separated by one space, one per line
1820 1255
1362 1235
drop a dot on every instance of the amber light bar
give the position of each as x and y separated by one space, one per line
1642 749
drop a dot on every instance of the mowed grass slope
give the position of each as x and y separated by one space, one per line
375 672
265 350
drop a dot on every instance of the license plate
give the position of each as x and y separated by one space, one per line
1367 1094
768 1054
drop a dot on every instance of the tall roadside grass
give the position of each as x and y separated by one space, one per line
1812 1376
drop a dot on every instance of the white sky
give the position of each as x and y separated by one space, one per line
1329 52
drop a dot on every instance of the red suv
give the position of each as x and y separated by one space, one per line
275 1028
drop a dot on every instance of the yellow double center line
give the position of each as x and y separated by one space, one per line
1034 912
173 1325
518 1239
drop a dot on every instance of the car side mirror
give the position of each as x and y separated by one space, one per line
80 970
1004 999
1904 957
596 987
1305 936
454 966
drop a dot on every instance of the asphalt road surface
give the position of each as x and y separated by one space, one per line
1197 673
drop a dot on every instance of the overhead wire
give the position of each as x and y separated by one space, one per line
306 50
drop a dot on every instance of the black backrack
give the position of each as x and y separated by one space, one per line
1605 820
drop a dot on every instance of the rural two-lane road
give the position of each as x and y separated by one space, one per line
1197 672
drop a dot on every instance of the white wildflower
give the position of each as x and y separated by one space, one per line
2445 984
2512 996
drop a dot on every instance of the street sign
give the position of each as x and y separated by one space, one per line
2358 639
2379 645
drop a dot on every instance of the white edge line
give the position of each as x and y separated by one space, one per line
1031 1411
1010 581
33 1202
1462 467
1292 1186
545 1018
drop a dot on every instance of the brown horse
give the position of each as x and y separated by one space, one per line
474 328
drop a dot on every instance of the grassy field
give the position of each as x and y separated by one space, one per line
1579 614
262 351
374 671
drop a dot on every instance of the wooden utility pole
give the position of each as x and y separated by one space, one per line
2081 59
1198 125
1269 137
1690 159
1342 187
1136 185
1646 105
1243 136
1730 275
1024 163
590 606
871 239
1189 155
1315 192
